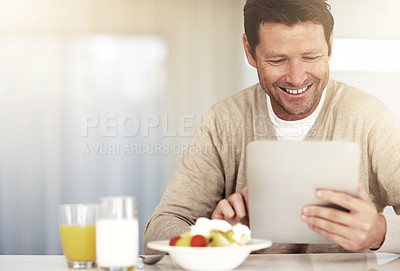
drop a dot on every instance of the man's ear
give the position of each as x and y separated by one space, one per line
331 43
247 50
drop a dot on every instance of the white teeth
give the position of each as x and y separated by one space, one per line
296 91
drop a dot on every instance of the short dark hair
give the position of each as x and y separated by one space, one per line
288 12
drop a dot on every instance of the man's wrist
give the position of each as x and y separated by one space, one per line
380 233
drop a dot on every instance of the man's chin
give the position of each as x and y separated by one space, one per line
298 113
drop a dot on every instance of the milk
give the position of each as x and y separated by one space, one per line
117 243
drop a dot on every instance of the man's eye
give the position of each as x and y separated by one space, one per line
276 61
311 58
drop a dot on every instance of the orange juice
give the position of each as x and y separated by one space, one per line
79 242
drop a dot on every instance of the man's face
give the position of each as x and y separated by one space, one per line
292 65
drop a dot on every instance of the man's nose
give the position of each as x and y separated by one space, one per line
296 73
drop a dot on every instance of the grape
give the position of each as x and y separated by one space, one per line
219 240
184 241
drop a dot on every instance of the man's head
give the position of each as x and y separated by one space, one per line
289 42
287 12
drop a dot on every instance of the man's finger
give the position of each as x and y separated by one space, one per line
223 210
330 226
341 199
245 194
330 214
340 240
238 203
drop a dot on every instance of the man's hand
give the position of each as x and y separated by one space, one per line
362 228
233 209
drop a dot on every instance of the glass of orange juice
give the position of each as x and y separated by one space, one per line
78 234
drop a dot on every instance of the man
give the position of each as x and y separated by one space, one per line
289 43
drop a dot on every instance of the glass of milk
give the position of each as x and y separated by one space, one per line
117 234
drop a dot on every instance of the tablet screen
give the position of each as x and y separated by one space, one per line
282 178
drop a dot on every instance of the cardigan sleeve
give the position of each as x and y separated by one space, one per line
392 237
384 153
195 188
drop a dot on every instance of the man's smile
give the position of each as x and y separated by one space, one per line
295 91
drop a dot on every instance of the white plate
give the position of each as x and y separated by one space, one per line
209 258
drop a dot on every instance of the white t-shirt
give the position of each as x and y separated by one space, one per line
297 129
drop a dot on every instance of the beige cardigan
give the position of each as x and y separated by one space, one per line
213 166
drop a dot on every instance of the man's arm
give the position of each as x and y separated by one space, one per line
364 227
195 189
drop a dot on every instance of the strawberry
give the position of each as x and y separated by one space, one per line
198 241
173 240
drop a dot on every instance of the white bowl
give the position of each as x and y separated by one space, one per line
209 258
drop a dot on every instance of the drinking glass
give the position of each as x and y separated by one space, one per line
78 234
117 234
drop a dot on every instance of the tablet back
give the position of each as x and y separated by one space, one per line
282 177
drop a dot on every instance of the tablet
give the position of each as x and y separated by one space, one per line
282 177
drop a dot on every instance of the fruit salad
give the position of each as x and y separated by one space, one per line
213 233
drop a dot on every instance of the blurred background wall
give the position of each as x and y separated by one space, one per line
100 97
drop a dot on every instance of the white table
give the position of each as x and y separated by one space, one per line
287 262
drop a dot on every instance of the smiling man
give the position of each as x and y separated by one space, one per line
289 42
292 65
